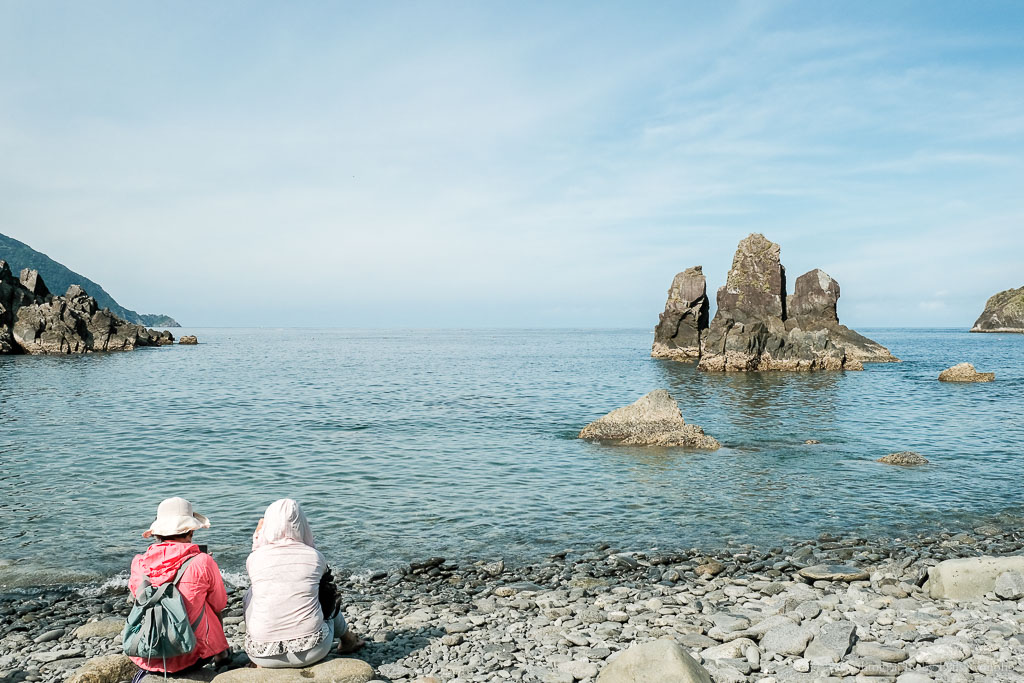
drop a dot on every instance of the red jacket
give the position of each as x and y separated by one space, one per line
200 585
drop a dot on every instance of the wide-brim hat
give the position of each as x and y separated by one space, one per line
175 516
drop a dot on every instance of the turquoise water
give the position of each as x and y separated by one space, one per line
407 443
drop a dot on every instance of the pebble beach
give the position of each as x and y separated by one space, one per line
832 608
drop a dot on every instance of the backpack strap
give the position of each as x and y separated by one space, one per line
181 570
177 578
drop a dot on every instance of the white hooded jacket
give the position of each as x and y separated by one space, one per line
284 570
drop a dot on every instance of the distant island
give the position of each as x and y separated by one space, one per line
59 277
1004 312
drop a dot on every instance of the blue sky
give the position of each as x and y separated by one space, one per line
513 164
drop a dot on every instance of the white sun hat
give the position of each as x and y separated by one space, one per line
175 516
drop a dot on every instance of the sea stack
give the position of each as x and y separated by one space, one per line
1004 312
680 330
757 325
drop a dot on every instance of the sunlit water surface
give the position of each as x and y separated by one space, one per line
461 443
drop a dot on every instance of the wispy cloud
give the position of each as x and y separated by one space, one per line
489 164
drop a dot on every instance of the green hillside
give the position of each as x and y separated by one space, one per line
58 278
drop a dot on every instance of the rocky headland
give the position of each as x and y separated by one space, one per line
34 321
652 420
757 325
1004 312
20 256
941 607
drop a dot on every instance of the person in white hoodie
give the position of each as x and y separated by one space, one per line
285 625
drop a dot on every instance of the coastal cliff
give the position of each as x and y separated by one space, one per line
757 325
34 321
1004 312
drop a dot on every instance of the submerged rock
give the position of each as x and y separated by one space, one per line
904 458
757 327
659 661
684 322
653 420
965 372
35 322
1004 312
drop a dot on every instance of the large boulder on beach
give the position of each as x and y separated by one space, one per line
759 327
681 327
652 420
659 661
965 372
969 578
1004 312
110 669
342 670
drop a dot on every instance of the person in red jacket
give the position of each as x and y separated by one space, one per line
201 585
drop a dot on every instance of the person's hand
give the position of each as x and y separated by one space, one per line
259 525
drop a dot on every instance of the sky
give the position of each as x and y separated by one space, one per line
513 164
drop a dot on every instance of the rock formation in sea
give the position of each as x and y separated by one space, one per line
965 372
34 321
681 327
757 325
188 340
653 420
1004 312
904 458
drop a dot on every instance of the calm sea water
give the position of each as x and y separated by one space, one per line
402 444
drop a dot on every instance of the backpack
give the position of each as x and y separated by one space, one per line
158 625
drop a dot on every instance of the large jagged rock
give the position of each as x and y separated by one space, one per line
1004 312
653 420
35 322
758 327
681 327
659 661
965 372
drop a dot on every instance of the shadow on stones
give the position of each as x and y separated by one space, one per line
403 644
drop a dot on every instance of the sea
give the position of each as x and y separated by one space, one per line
462 443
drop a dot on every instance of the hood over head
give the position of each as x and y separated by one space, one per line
162 560
284 521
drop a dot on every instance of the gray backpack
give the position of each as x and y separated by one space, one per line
158 625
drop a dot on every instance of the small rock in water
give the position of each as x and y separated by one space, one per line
965 372
812 442
652 420
904 458
188 340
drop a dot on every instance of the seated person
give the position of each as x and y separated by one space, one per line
285 625
201 586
